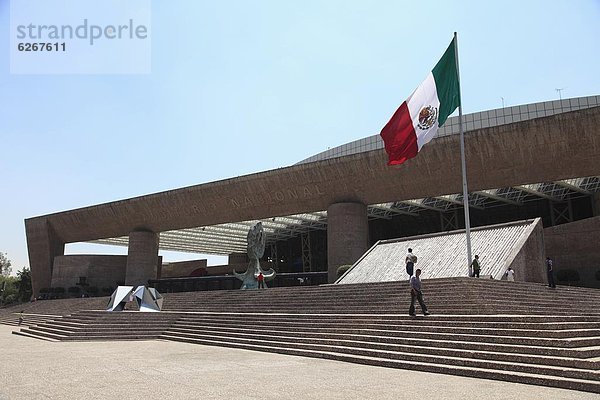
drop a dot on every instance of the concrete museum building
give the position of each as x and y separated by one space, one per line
533 168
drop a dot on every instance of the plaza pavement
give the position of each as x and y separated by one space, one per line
34 369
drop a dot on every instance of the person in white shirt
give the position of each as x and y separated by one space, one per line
510 274
410 261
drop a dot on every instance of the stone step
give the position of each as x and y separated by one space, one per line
589 348
414 355
33 335
396 302
392 330
28 319
508 375
359 291
456 296
50 330
502 353
40 334
393 325
114 336
391 317
383 310
385 322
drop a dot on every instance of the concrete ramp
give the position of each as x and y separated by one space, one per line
443 255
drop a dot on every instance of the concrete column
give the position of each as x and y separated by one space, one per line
347 235
142 258
596 203
43 245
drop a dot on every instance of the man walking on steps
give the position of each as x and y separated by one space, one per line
415 293
410 261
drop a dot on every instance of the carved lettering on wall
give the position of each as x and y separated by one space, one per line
277 196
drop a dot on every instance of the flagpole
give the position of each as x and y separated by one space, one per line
463 162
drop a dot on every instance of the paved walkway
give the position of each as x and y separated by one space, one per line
34 369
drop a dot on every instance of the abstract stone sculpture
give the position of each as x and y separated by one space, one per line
256 248
148 299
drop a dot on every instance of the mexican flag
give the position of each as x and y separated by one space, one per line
417 120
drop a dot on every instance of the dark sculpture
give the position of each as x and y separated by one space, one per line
256 249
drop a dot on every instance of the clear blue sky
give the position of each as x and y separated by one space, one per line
244 86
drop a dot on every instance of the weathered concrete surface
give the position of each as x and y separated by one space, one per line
576 245
43 244
545 149
100 270
181 268
142 258
528 262
33 369
347 235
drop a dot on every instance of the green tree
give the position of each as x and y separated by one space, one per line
8 289
5 265
24 284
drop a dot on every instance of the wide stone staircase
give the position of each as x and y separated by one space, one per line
510 331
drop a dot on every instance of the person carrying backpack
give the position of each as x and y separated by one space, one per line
410 261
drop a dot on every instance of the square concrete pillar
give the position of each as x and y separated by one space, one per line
142 258
347 235
43 245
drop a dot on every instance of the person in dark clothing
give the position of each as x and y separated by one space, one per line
550 272
416 294
476 266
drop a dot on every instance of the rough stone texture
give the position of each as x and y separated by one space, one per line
443 255
99 270
347 235
43 245
558 147
576 245
238 258
181 268
528 262
142 258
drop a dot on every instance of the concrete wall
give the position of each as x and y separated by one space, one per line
181 269
576 245
238 258
528 262
100 270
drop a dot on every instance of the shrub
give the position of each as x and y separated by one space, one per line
93 290
341 270
9 299
57 292
107 291
74 291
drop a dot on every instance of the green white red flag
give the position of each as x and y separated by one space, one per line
417 119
